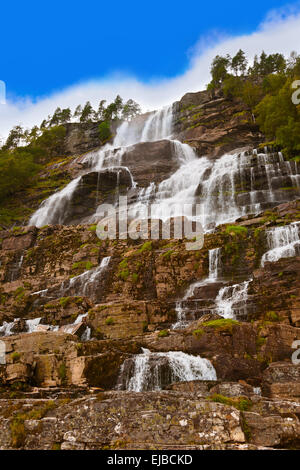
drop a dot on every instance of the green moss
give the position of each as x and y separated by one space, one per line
260 341
224 324
109 321
15 356
62 372
124 274
65 301
135 278
236 230
81 266
272 317
17 425
240 403
198 333
123 264
163 334
147 246
167 255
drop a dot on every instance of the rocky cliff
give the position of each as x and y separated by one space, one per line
142 344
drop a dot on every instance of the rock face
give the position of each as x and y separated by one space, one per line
214 125
210 335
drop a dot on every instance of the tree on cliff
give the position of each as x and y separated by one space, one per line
239 63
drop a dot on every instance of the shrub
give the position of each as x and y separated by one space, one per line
104 131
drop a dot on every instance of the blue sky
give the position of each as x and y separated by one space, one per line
47 46
63 53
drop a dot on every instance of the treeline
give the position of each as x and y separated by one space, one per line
265 88
25 150
104 114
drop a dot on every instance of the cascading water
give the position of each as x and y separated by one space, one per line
153 371
283 242
83 284
232 301
227 188
214 257
214 263
157 126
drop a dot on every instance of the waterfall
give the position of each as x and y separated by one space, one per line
153 371
15 268
32 324
7 328
84 283
214 257
214 263
225 189
158 126
283 242
231 301
53 209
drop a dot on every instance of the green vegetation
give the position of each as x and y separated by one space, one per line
104 131
147 246
17 425
236 230
62 372
109 321
266 89
123 270
224 324
163 334
272 317
240 403
81 266
15 356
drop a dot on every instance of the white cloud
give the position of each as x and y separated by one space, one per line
278 33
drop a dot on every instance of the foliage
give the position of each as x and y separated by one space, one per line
266 91
104 131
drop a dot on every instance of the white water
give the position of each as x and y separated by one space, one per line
84 281
283 242
214 263
147 375
214 257
231 299
224 189
157 126
31 326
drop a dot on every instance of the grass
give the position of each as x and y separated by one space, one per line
236 230
240 403
224 324
17 425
